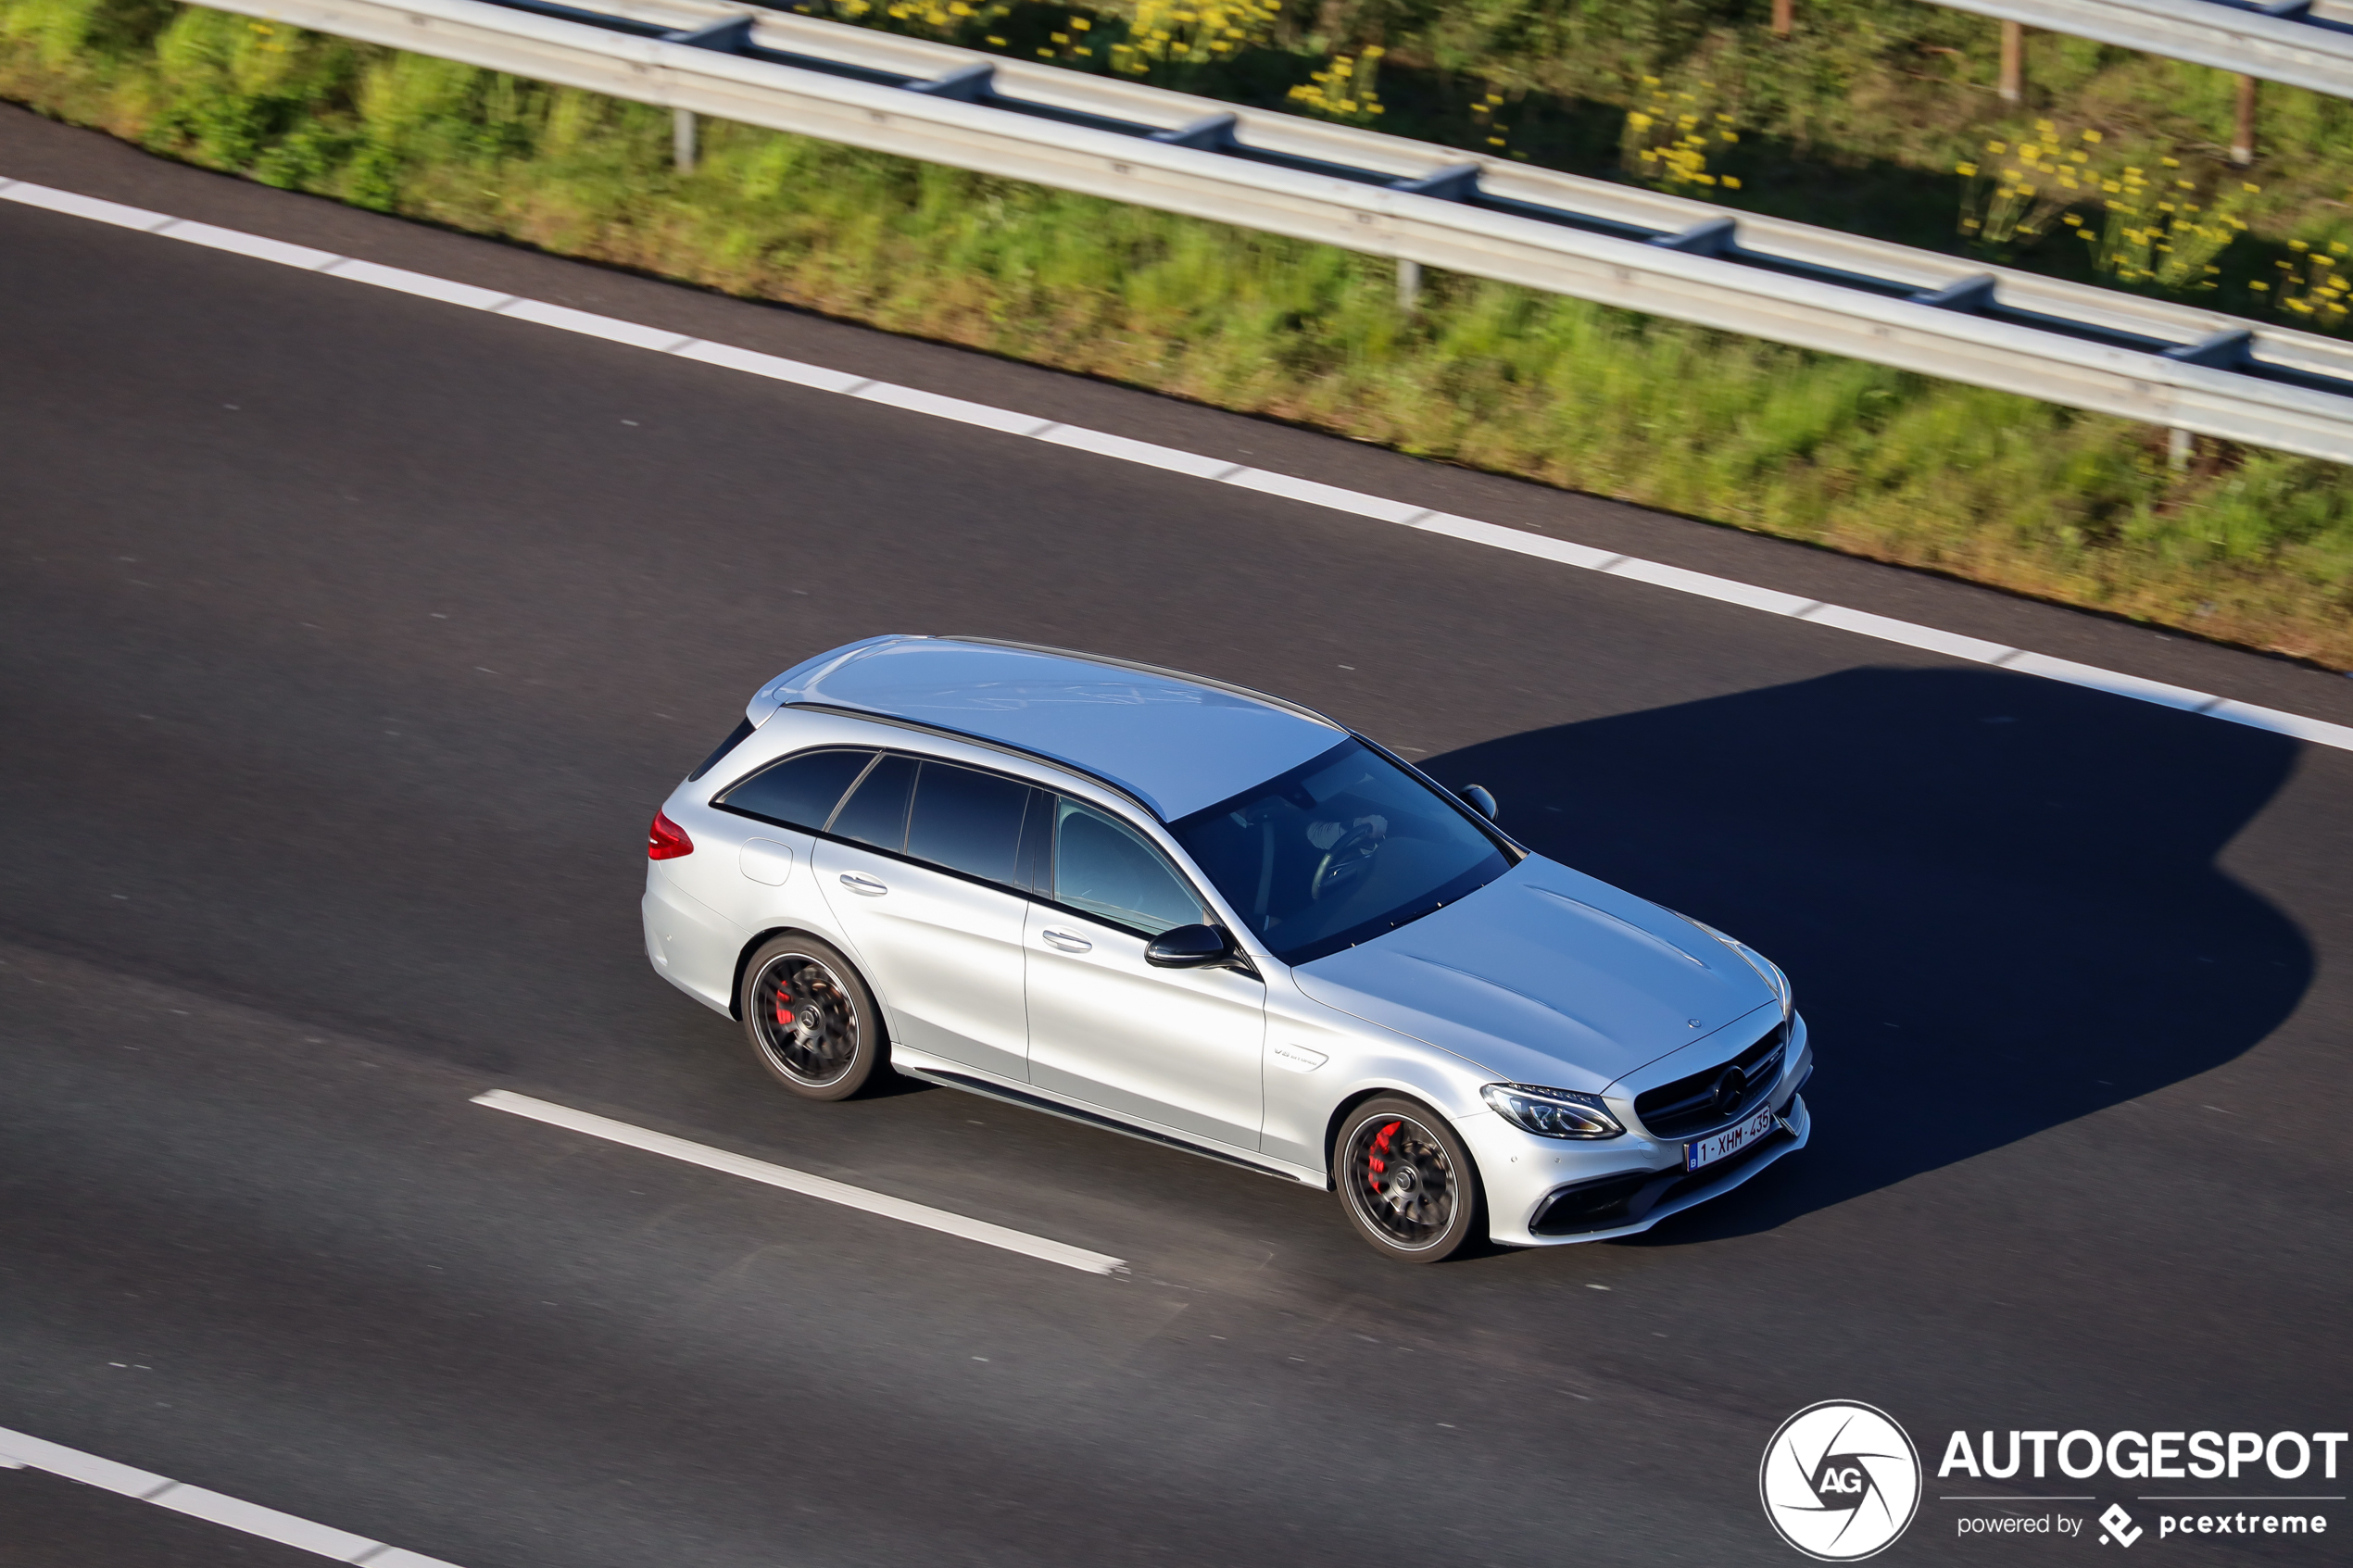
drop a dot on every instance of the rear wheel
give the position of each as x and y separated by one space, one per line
1406 1181
810 1018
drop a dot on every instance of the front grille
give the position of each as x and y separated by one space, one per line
1608 1202
1687 1107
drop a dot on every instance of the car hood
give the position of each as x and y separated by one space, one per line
1545 975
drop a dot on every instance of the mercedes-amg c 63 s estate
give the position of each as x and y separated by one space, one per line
1218 921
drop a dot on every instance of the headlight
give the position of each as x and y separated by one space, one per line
1552 1113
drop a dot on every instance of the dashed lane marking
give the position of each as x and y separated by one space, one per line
801 1182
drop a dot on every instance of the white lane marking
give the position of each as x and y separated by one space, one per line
753 363
423 285
1330 496
955 409
19 1450
1863 624
1675 579
1144 453
255 245
801 1182
565 319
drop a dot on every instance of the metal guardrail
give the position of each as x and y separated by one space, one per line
2080 347
2302 42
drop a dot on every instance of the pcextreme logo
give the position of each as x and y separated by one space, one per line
1840 1481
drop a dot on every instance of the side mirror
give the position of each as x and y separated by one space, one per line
1479 801
1189 947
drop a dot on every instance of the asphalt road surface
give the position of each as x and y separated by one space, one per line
350 639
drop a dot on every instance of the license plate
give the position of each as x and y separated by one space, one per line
1729 1142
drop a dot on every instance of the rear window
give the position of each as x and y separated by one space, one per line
800 791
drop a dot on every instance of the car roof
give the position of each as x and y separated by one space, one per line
1176 742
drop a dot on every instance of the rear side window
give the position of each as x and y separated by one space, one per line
800 791
875 812
968 822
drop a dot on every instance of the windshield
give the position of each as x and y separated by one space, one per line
1338 850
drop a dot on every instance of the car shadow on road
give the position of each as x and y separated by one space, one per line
1997 897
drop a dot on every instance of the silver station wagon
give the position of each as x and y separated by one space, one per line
1215 920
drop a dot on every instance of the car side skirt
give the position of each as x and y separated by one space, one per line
952 1077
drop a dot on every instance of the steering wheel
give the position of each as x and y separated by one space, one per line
1350 856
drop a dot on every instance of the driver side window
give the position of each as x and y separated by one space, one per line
1105 868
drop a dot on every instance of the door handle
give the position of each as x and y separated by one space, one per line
866 884
1068 941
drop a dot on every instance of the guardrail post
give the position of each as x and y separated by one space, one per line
2230 349
681 140
2012 84
1409 285
2242 133
1784 17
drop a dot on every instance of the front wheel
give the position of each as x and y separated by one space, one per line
1406 1181
810 1018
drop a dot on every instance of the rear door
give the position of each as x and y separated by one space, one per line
918 866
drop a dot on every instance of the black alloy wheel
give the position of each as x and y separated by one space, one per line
810 1018
1406 1179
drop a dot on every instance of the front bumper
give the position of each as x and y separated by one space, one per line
1619 1188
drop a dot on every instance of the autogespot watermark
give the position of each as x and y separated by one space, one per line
1840 1480
2082 1455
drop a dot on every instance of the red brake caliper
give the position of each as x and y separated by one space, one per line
783 1013
1380 1148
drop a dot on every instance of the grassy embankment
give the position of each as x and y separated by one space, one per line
2249 547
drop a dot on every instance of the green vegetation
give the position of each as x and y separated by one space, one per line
1876 117
2248 546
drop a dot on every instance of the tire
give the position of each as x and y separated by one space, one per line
1418 1209
811 1022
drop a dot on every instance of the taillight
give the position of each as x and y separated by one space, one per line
666 840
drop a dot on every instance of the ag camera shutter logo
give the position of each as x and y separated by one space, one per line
1840 1480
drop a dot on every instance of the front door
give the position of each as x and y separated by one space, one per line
1176 1047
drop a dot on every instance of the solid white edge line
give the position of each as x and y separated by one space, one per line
253 1519
1675 579
19 1451
1144 454
753 363
239 243
956 409
1378 507
801 1182
566 320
